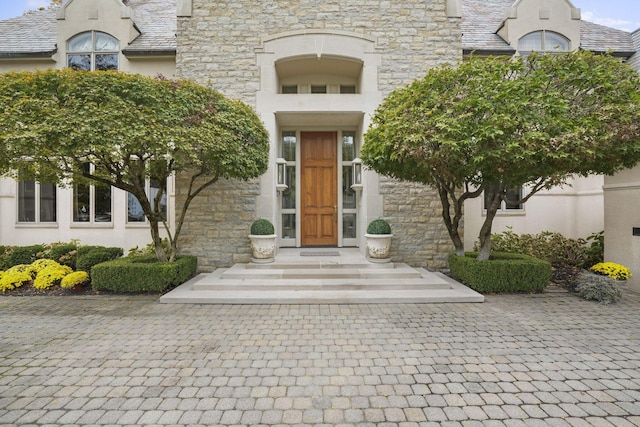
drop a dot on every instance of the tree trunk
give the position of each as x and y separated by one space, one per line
157 240
452 224
485 232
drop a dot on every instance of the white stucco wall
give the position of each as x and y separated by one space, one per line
113 19
622 214
575 211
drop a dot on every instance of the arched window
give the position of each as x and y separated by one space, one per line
544 41
93 51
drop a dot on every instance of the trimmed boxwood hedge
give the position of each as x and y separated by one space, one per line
88 256
503 273
142 274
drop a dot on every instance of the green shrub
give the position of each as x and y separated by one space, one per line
142 274
596 287
553 247
503 273
87 258
21 255
62 253
83 250
379 226
595 250
149 249
262 227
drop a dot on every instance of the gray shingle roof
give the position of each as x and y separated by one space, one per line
30 34
599 38
481 20
35 33
156 20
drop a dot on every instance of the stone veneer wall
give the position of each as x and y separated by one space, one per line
218 222
216 47
414 211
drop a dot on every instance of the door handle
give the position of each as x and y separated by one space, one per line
335 213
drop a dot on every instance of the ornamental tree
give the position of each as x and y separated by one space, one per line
494 124
132 129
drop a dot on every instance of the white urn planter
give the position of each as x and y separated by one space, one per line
379 247
263 248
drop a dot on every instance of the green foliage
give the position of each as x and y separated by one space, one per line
595 250
60 119
612 270
599 288
262 227
502 273
21 255
149 249
507 122
142 274
77 278
88 256
379 226
63 253
553 247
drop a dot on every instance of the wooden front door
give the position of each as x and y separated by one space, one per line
319 184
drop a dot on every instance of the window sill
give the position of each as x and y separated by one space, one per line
507 213
137 225
36 225
91 225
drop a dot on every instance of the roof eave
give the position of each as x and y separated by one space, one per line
28 55
615 54
148 52
488 52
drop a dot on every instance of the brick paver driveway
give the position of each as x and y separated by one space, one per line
549 359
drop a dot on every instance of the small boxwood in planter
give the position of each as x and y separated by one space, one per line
502 273
379 226
262 227
142 274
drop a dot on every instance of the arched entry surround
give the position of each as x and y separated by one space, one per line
354 57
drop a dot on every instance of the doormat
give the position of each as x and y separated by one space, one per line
325 253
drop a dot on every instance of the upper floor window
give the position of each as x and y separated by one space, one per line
544 41
93 51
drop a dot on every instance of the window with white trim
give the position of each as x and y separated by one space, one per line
135 214
36 202
93 51
91 202
509 201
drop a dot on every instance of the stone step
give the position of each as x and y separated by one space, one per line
316 265
244 271
212 288
319 279
318 284
323 297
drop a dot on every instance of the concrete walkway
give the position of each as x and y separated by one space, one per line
538 360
